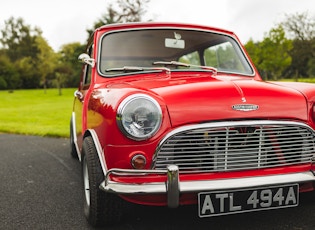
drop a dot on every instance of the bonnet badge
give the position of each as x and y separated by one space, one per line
245 107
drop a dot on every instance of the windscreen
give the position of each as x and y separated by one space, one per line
142 48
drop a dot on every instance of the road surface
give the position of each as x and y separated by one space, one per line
40 188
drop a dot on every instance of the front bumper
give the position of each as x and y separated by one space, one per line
173 186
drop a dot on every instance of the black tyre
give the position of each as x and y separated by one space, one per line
73 152
100 208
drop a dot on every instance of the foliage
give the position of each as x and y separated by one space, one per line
19 40
46 60
68 68
301 28
126 11
271 56
311 62
28 52
287 50
27 61
8 74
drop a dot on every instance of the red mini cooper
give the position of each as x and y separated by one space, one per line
170 114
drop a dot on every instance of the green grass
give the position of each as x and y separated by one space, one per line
34 112
307 80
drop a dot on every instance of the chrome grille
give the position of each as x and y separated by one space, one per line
222 147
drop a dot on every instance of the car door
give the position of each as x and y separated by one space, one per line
79 101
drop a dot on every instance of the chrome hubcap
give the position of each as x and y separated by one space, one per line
86 182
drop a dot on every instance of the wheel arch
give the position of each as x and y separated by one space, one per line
98 147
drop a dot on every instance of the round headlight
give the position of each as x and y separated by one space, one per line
139 116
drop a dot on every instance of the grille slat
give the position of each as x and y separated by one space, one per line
236 147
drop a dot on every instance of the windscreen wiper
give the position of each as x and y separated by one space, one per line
136 69
176 63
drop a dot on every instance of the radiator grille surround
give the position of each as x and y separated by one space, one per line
235 146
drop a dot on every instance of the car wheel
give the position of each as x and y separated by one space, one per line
73 152
100 208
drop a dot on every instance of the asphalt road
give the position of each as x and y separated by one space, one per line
40 188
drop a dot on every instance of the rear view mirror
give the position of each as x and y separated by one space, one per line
174 43
85 58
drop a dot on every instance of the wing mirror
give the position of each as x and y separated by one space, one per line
85 58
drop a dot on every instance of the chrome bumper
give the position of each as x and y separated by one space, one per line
173 187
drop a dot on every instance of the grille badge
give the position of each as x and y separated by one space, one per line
245 107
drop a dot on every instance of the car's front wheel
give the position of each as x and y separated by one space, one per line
100 208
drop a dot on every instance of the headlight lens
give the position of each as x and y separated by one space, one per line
139 116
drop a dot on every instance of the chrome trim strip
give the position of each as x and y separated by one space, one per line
249 182
166 151
173 187
74 135
99 150
123 188
211 185
163 153
224 124
232 123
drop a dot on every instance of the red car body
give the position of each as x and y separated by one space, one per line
181 131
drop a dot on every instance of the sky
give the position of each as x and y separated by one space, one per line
66 21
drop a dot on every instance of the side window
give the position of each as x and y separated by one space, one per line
191 58
223 57
211 57
88 69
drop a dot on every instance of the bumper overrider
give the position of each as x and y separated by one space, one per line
173 187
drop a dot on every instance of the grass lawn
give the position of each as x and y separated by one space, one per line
307 80
35 112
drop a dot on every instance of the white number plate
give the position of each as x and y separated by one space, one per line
247 200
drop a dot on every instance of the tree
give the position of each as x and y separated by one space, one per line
271 56
19 40
60 79
131 10
8 75
28 51
311 62
68 66
46 60
254 51
276 48
125 11
301 28
28 74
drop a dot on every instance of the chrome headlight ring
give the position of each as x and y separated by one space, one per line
139 117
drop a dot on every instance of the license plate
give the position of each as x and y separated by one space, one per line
247 200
